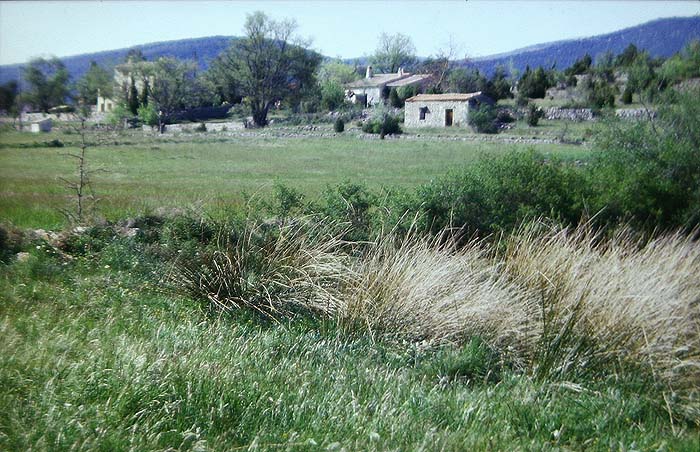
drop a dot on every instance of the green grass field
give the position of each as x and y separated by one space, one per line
139 172
94 355
110 341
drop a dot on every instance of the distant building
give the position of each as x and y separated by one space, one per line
442 110
368 91
104 104
43 125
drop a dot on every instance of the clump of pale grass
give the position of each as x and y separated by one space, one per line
616 300
272 268
422 289
562 303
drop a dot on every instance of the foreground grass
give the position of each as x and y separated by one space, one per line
140 172
95 357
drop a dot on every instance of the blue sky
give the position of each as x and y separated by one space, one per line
337 28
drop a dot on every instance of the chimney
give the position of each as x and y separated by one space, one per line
369 72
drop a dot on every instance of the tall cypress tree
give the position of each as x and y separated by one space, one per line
144 93
133 97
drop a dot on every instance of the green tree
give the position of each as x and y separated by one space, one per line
534 84
641 77
683 65
175 87
605 67
332 95
498 87
627 57
222 80
393 52
8 97
133 98
270 64
338 72
466 81
48 83
394 99
580 66
483 119
95 80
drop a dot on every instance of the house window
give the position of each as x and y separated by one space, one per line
423 111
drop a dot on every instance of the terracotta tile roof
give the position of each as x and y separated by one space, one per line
443 97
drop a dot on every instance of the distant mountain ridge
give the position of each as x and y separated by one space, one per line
661 38
203 50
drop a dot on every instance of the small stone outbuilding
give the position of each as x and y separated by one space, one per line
43 125
442 110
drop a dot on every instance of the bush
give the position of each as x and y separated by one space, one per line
55 143
394 99
339 125
483 119
497 194
505 117
534 114
269 269
382 122
118 114
650 172
601 94
332 96
148 115
202 127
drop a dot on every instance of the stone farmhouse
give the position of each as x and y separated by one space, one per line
442 110
140 72
104 104
369 90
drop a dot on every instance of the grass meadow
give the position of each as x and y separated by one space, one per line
134 173
201 332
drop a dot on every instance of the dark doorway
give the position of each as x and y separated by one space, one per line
448 117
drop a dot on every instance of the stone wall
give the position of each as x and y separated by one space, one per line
193 126
569 114
634 113
435 115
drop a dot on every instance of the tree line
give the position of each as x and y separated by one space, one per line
273 66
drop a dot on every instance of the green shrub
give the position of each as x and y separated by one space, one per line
286 201
534 114
394 99
353 205
497 194
148 114
332 95
483 119
339 125
650 172
202 127
118 114
55 143
382 122
601 94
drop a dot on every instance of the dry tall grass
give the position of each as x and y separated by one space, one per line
558 303
619 300
273 269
